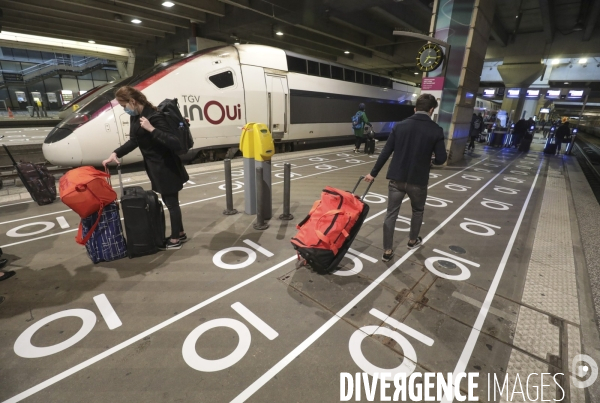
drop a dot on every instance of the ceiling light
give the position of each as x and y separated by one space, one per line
582 61
279 33
91 41
414 95
416 73
168 4
346 52
554 61
136 21
183 54
236 43
566 82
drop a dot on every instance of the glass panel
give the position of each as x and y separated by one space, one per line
222 80
296 65
367 79
325 70
349 75
337 73
99 75
313 68
359 77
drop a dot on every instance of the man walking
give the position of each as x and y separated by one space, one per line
359 121
412 141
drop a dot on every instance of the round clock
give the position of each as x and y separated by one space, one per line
430 57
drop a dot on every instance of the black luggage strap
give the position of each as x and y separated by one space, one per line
366 190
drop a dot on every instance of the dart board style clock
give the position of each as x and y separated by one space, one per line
430 57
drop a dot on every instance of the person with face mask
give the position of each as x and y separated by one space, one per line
151 133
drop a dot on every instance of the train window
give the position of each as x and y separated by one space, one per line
337 73
313 68
325 70
349 75
359 77
375 80
296 65
386 82
367 79
223 79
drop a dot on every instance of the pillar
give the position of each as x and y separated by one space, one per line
469 22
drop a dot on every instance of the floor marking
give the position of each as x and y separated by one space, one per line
258 248
108 313
14 204
35 216
360 254
482 223
62 222
193 183
135 339
255 321
460 259
428 341
267 376
465 356
477 304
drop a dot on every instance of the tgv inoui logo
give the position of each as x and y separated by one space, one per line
214 112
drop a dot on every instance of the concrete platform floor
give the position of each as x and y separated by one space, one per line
498 288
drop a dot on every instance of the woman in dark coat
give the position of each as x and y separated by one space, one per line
151 133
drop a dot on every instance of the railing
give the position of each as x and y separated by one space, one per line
62 61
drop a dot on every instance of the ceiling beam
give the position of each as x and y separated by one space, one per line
498 32
547 20
104 17
392 19
40 14
58 34
208 6
177 10
154 20
592 19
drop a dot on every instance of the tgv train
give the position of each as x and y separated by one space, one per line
220 89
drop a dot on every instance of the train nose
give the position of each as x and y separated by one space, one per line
66 152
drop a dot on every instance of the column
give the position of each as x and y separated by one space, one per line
466 26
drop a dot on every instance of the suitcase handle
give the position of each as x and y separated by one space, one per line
366 190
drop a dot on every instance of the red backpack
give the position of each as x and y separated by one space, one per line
86 190
330 223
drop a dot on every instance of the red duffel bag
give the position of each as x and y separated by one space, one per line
86 191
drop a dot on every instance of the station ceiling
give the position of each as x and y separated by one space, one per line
318 28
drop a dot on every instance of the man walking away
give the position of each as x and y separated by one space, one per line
562 132
359 121
476 129
412 142
519 131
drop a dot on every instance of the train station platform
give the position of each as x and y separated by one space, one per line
503 286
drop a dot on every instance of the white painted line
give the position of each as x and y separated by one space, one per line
14 204
255 321
461 365
62 222
267 376
35 216
39 237
460 259
477 304
360 254
193 183
108 313
415 334
258 248
65 374
482 223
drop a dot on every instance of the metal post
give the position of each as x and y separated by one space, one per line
229 210
260 219
286 192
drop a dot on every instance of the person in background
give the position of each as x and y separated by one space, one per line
519 131
4 275
359 133
475 131
561 132
412 142
151 133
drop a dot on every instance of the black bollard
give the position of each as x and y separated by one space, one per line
228 190
286 193
260 217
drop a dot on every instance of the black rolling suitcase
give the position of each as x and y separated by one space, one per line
370 146
550 147
328 222
144 220
37 180
525 145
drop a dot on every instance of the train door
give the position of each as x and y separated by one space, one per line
123 125
277 104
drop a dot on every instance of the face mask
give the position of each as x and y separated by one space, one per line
131 112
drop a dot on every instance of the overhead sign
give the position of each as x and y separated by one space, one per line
544 110
533 93
552 93
432 84
575 93
490 92
513 93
